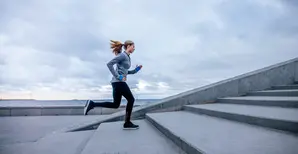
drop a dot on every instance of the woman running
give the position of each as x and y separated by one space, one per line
120 88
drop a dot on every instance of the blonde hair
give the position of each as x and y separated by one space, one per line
116 46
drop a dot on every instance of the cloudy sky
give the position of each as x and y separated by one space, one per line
58 49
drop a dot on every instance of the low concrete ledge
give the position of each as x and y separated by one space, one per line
25 112
279 74
4 112
61 111
40 107
54 111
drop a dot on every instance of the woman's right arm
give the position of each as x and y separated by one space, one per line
111 63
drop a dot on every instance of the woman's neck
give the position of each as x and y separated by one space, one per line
127 52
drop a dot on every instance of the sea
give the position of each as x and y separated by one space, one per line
44 103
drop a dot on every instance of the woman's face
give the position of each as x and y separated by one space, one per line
131 48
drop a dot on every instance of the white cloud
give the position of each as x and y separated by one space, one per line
60 48
142 85
163 85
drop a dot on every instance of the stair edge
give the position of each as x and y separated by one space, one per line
180 142
276 124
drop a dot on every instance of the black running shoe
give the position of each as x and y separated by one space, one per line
130 125
88 106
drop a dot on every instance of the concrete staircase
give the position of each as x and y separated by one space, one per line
252 123
259 122
109 138
249 124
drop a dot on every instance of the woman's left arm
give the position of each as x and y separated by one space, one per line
134 71
131 71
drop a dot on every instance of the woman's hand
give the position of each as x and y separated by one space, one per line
122 78
138 67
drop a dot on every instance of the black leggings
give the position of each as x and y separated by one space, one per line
119 89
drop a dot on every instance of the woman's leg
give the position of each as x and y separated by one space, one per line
130 102
117 95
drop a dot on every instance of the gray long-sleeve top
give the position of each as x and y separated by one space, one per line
123 64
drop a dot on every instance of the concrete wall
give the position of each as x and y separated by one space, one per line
296 72
53 111
279 74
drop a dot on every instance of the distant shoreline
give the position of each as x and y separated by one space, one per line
17 99
67 99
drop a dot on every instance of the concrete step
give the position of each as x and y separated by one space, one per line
285 87
285 119
198 134
291 92
111 138
31 128
61 143
262 101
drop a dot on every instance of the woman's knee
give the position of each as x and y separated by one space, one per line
132 100
116 104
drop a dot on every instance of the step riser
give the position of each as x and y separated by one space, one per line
270 123
285 87
260 103
293 93
177 140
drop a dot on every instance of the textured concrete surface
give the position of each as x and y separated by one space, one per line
265 98
65 143
219 136
48 108
35 105
58 111
295 86
29 129
279 74
52 111
262 100
4 112
285 119
291 92
279 90
296 71
110 138
286 114
25 112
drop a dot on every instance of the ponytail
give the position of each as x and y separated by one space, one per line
116 46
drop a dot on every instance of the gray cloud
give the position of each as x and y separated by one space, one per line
61 47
